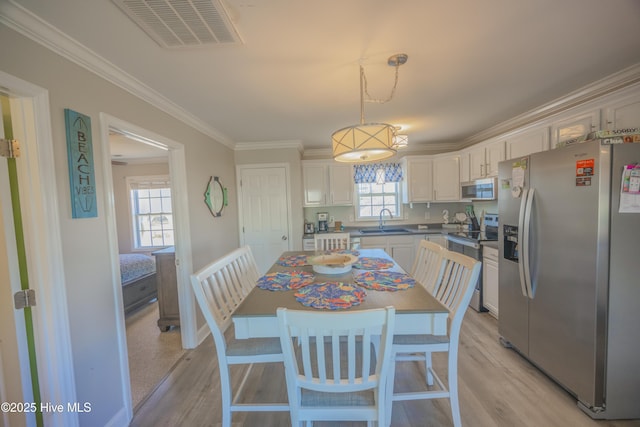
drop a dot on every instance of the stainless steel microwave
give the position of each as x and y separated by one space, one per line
480 189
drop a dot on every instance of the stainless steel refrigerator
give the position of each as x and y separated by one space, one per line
569 272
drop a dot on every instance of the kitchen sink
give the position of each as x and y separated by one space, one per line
385 230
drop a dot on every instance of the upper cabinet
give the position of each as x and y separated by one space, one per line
527 142
446 178
465 164
431 178
341 184
314 177
574 126
624 113
484 159
327 183
417 185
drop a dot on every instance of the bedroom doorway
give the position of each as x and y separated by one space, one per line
144 219
147 353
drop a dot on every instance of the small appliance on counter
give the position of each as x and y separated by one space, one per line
309 228
323 222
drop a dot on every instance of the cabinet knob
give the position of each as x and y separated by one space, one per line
284 237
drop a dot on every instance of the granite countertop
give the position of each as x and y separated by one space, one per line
411 229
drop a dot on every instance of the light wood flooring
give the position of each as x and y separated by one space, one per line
497 388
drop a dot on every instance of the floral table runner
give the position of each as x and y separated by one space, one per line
371 263
284 281
292 261
385 280
330 295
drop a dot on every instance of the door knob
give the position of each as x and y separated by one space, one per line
284 237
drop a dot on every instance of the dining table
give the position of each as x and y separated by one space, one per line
417 311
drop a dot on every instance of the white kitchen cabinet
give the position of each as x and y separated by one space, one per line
327 183
623 113
341 185
437 238
446 178
315 184
483 160
574 126
495 154
402 250
400 247
490 279
374 242
464 166
417 185
477 163
527 142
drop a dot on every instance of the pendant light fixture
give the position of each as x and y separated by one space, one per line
367 142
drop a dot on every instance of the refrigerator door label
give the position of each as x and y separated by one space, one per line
584 172
585 167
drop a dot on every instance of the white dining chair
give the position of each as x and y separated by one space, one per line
428 267
332 241
454 290
331 372
219 288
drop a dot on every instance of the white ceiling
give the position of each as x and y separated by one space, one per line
472 64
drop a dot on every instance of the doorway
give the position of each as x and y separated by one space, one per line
144 217
177 171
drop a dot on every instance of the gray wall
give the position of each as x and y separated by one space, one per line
88 277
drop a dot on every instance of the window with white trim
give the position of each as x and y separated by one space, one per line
151 212
377 188
372 198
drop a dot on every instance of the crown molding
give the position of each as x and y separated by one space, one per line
31 26
269 145
619 80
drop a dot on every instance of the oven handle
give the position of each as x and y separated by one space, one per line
463 242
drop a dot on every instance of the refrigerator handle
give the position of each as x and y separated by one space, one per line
521 246
525 246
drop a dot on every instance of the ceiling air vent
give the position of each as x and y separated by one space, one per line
182 23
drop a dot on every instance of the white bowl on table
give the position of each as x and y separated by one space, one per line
332 263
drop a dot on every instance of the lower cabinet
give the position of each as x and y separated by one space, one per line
167 288
490 279
400 247
436 238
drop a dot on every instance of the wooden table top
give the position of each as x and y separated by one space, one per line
262 302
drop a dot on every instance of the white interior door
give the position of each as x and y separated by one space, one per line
265 213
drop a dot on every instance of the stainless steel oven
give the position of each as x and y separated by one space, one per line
468 243
474 250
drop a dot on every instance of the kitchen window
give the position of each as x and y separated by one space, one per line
377 188
371 198
151 213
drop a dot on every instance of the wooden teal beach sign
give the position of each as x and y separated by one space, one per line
81 169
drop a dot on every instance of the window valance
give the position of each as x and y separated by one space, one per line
374 173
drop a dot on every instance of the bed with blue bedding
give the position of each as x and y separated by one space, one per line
138 275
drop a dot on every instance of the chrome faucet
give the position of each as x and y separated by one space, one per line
381 212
